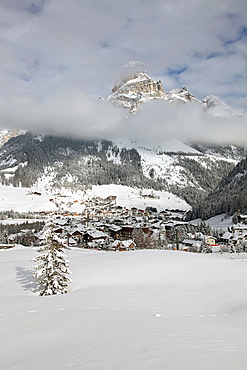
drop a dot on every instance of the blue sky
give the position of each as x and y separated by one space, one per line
56 51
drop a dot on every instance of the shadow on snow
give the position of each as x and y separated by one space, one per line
25 277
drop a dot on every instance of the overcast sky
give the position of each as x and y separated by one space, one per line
59 56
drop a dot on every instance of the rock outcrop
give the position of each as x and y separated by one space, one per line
6 134
135 91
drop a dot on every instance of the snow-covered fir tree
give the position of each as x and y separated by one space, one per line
52 270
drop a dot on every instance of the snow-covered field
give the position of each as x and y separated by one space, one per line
22 199
148 310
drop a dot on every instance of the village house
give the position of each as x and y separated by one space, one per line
94 234
122 245
189 245
210 240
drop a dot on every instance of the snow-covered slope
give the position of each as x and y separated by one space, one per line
169 161
42 197
126 310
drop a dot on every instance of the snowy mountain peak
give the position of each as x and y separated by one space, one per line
129 72
180 96
214 105
136 90
134 87
211 101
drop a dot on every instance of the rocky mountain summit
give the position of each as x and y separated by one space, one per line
135 91
141 89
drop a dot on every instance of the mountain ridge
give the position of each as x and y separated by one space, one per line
137 88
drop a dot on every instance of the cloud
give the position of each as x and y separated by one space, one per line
160 121
69 113
58 57
73 114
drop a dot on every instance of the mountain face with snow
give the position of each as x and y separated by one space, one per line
136 91
217 108
75 164
141 88
191 171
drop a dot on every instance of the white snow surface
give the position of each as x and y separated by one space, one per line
22 199
149 309
131 197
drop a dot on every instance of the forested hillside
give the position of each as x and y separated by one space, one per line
230 195
70 163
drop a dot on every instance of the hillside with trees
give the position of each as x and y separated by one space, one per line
229 196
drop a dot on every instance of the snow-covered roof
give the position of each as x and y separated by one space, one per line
193 243
127 243
96 234
227 235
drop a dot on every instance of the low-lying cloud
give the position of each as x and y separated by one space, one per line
73 114
161 120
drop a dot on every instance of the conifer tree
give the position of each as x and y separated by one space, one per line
139 238
52 270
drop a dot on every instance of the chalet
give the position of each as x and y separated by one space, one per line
122 245
115 245
176 215
239 237
189 245
71 242
134 210
61 221
127 245
227 237
94 234
164 215
114 231
76 231
210 240
126 232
